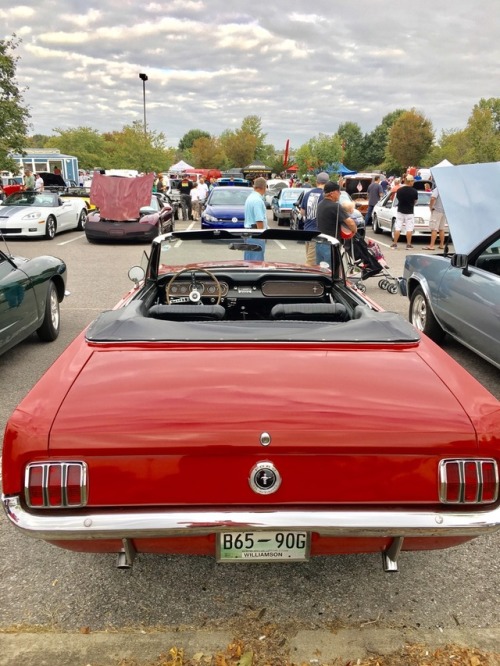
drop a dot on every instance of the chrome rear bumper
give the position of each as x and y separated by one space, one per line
162 524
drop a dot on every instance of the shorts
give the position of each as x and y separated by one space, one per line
406 220
437 221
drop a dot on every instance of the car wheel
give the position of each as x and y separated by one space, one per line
377 229
422 318
50 227
393 228
49 330
81 221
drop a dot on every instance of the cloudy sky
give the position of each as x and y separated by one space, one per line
302 67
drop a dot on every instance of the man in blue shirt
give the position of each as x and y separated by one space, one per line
308 210
256 216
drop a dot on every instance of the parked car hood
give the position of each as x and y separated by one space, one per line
469 199
226 210
121 198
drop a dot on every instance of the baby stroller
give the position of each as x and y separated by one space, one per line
365 260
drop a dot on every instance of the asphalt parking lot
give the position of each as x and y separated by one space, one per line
45 591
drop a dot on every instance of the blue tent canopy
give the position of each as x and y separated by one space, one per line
341 169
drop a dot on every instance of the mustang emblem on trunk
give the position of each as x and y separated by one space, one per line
264 478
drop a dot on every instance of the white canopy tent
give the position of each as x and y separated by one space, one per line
180 166
442 164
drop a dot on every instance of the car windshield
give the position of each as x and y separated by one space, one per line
44 200
228 196
221 248
291 195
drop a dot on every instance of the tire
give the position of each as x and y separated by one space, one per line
49 330
50 227
393 224
377 229
392 288
81 221
421 316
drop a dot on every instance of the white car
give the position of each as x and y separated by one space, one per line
40 214
384 214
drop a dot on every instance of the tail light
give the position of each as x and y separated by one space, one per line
468 481
52 485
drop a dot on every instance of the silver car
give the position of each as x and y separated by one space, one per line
459 294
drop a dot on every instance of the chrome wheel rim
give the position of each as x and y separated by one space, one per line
54 309
419 312
51 228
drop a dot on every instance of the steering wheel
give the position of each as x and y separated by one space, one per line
195 294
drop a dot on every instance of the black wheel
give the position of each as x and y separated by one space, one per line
81 221
382 283
376 226
393 225
392 288
50 227
422 318
49 330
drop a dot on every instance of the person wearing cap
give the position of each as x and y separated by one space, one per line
331 216
308 210
407 198
256 217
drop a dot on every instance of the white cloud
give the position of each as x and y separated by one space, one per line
211 63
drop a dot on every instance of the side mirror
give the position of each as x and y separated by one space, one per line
461 261
136 274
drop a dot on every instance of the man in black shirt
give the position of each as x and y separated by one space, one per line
407 197
185 187
330 216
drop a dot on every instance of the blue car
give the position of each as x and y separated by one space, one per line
225 208
282 204
459 294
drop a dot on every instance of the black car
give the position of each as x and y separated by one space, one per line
30 293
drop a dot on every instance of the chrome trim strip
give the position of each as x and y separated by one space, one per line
174 523
461 462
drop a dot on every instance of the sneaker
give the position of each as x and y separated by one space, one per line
409 247
394 246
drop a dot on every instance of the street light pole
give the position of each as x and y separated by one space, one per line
144 78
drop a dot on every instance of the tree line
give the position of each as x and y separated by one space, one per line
404 137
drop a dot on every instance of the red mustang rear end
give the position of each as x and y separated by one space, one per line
198 418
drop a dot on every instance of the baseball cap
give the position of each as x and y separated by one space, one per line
322 177
331 186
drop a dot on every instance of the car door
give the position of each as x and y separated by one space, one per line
387 211
66 213
18 307
468 305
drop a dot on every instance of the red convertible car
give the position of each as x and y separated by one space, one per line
242 404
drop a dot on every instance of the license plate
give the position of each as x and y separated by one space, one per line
263 546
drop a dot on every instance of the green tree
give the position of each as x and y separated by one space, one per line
352 141
87 144
239 147
327 150
14 115
483 135
190 137
37 141
375 143
130 148
410 138
208 153
253 125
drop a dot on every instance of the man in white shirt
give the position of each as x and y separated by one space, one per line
39 184
202 190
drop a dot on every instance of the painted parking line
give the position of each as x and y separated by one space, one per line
73 239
